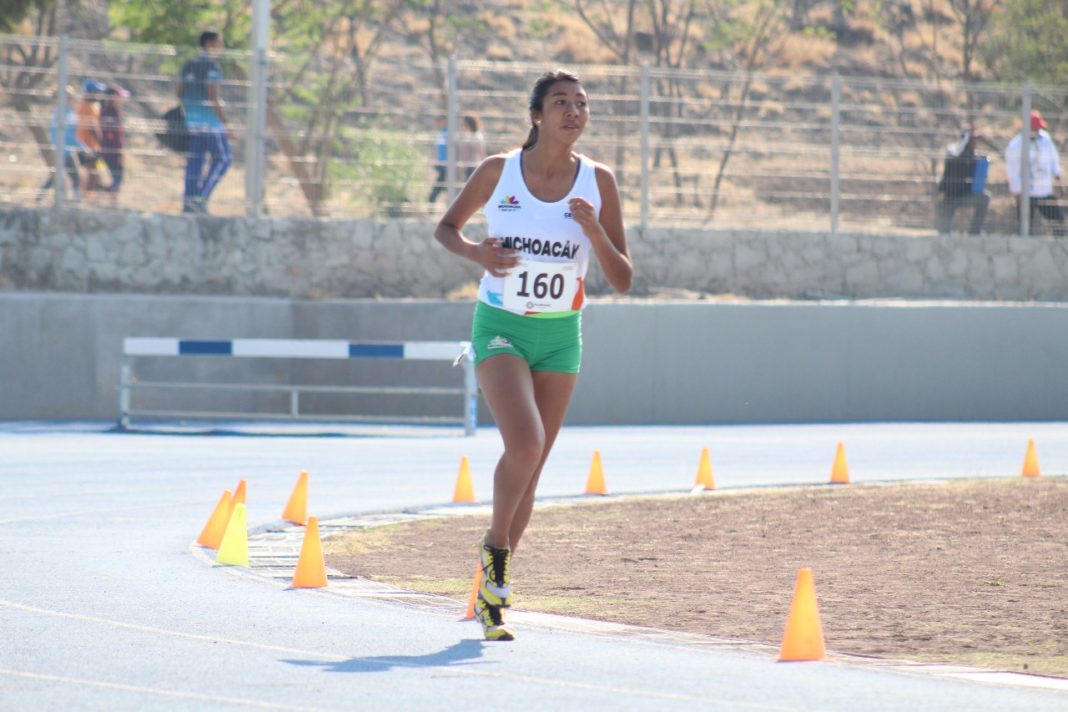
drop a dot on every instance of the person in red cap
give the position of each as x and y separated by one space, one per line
1044 189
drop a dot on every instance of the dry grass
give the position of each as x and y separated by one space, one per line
971 572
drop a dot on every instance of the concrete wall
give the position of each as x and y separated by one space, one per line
97 252
644 362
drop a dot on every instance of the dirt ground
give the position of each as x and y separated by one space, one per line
974 572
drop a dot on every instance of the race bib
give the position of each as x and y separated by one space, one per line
534 286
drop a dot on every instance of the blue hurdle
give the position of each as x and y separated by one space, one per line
455 351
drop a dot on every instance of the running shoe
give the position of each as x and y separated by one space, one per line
492 620
496 586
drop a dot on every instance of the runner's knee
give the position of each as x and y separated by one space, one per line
526 452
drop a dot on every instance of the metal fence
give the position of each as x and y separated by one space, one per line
690 148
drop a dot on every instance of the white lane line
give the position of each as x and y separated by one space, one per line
400 662
623 691
153 691
112 510
164 631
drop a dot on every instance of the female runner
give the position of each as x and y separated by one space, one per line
547 209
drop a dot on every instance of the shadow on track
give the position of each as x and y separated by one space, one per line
461 653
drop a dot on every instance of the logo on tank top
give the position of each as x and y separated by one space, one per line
509 202
546 248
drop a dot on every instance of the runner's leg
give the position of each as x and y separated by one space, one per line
508 386
552 392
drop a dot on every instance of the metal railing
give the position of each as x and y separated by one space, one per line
176 396
704 148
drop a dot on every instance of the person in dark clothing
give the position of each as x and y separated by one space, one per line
113 136
963 184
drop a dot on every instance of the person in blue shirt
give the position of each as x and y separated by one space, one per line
72 147
205 121
441 159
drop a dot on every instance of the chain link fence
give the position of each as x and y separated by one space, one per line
690 148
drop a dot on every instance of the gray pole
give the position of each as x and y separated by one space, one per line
451 129
61 121
256 139
470 394
836 142
1025 162
645 147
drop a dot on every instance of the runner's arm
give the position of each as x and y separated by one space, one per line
476 193
606 231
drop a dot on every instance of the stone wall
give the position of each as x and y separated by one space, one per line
95 252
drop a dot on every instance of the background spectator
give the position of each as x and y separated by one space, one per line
72 149
441 159
472 148
205 122
113 136
89 132
1045 172
963 184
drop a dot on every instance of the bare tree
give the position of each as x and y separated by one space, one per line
24 70
672 38
334 40
757 42
973 17
615 32
443 28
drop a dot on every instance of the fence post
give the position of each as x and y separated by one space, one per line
60 146
256 140
1025 162
836 143
452 128
645 147
470 394
125 378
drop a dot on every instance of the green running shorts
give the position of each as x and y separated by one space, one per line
551 343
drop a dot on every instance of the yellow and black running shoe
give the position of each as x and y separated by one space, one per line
496 586
492 620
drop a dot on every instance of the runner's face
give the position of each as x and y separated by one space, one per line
565 111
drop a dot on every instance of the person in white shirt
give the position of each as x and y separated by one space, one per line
1045 173
549 211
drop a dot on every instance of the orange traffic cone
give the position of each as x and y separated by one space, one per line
296 510
1030 466
465 489
311 569
704 472
840 471
215 527
470 614
595 483
803 639
240 492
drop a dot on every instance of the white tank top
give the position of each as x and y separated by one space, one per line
555 251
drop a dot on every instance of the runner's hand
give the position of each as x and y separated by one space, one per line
497 260
583 213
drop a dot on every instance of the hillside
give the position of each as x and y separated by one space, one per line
357 105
